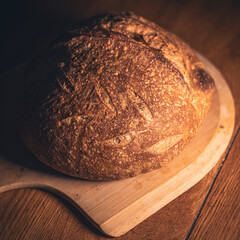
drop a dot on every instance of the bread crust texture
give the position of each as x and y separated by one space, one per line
113 98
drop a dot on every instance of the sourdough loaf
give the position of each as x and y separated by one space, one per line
113 98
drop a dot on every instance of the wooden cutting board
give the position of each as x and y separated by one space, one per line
116 207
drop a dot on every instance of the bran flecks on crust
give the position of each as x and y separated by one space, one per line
113 98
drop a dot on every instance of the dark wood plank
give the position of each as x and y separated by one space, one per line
35 214
209 27
219 218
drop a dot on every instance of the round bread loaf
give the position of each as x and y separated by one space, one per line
114 98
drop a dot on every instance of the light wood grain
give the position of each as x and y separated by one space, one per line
210 27
222 203
116 207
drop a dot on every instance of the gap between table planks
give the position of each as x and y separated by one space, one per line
116 207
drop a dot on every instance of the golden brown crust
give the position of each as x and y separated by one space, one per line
114 98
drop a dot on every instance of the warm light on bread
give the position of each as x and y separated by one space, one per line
114 98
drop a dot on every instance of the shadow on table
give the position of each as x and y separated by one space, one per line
12 147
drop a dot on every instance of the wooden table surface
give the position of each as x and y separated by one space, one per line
210 209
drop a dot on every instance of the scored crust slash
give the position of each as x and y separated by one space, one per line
113 98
